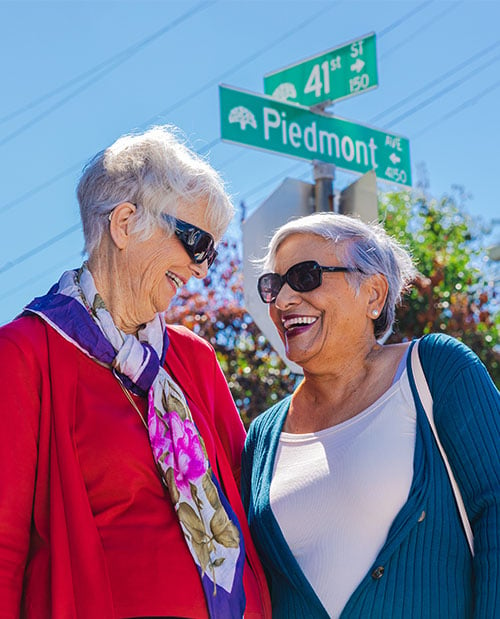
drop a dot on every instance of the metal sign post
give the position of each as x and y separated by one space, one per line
292 122
324 174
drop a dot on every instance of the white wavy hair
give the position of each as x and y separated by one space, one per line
156 171
366 247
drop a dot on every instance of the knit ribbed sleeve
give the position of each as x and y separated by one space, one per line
467 416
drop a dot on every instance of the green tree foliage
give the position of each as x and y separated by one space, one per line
451 295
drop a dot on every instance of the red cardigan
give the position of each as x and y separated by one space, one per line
87 530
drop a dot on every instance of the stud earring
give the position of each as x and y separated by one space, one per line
375 313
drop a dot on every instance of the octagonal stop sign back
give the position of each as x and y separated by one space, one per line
293 198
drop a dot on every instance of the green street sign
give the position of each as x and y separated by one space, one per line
262 122
338 73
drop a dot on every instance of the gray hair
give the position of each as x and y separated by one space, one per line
156 171
366 247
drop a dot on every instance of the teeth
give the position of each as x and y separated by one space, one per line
298 320
177 281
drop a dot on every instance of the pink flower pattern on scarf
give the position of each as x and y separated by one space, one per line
188 453
209 525
176 444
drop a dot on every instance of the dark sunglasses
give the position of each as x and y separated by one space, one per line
301 277
200 245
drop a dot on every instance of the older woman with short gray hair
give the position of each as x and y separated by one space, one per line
347 494
120 449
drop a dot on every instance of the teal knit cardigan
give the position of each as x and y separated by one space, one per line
425 569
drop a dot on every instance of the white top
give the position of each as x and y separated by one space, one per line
335 493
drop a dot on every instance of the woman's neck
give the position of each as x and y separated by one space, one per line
114 288
327 399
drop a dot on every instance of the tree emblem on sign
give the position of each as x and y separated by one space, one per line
243 116
284 92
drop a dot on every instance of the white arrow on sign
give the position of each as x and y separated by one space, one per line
358 65
394 158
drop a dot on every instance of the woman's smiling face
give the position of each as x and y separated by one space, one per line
321 324
158 266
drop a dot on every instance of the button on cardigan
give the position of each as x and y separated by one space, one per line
425 569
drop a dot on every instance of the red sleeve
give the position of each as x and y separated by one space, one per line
228 421
20 393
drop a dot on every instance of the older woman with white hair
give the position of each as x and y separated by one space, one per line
347 493
120 444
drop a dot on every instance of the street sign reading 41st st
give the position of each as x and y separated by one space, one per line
265 123
338 73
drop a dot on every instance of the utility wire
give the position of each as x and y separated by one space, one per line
243 63
120 56
55 106
472 101
434 82
95 74
73 228
422 28
77 166
374 119
34 190
443 91
205 149
232 159
216 80
38 276
239 65
271 181
36 250
404 18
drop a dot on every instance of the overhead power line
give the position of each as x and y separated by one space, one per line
204 149
270 181
38 276
239 65
405 17
120 56
36 250
443 91
34 190
216 80
58 237
422 28
91 76
471 101
438 80
73 228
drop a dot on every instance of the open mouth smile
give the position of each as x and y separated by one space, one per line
293 325
177 281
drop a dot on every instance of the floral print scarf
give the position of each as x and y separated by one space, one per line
211 530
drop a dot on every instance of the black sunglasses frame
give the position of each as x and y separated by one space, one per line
192 237
269 293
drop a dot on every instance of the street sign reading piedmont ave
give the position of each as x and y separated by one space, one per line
293 130
338 73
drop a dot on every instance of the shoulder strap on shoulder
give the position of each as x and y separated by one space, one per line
426 400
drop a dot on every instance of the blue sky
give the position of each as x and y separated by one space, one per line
76 75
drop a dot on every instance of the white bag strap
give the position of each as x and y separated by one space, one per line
426 399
